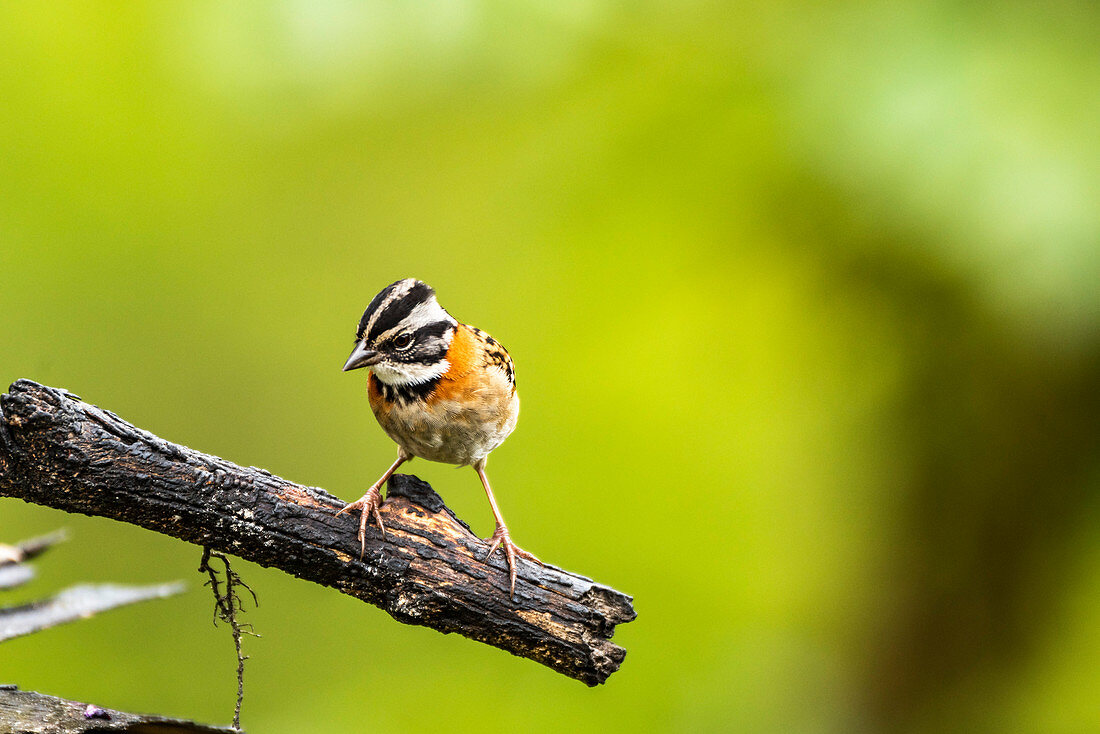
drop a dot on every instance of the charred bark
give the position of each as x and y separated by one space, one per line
58 451
26 712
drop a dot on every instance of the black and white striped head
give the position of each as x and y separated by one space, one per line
404 335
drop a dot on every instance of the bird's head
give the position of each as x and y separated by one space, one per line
404 335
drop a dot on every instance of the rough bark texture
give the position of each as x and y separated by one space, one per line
59 451
25 712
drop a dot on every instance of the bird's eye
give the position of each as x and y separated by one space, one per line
403 341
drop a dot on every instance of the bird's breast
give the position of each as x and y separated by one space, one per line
469 412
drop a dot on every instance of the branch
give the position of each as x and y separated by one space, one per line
75 603
25 711
58 451
25 550
13 571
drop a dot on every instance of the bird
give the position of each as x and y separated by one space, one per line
442 390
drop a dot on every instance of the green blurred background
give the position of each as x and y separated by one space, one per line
804 300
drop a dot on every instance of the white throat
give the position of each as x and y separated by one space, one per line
400 375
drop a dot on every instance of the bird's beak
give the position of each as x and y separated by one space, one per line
362 357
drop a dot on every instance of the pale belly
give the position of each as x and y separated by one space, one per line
451 432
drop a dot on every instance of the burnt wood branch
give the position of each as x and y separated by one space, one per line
58 451
26 712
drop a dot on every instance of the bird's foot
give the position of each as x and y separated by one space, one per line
503 540
368 506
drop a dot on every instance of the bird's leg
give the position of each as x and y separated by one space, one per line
501 537
369 503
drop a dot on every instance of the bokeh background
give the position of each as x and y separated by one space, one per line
803 299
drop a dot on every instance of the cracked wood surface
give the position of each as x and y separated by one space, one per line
61 452
27 712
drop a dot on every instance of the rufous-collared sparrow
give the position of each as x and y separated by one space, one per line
442 390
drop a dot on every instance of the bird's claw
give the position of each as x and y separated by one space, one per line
368 506
501 539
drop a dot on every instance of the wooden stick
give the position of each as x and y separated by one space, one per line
26 711
58 451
